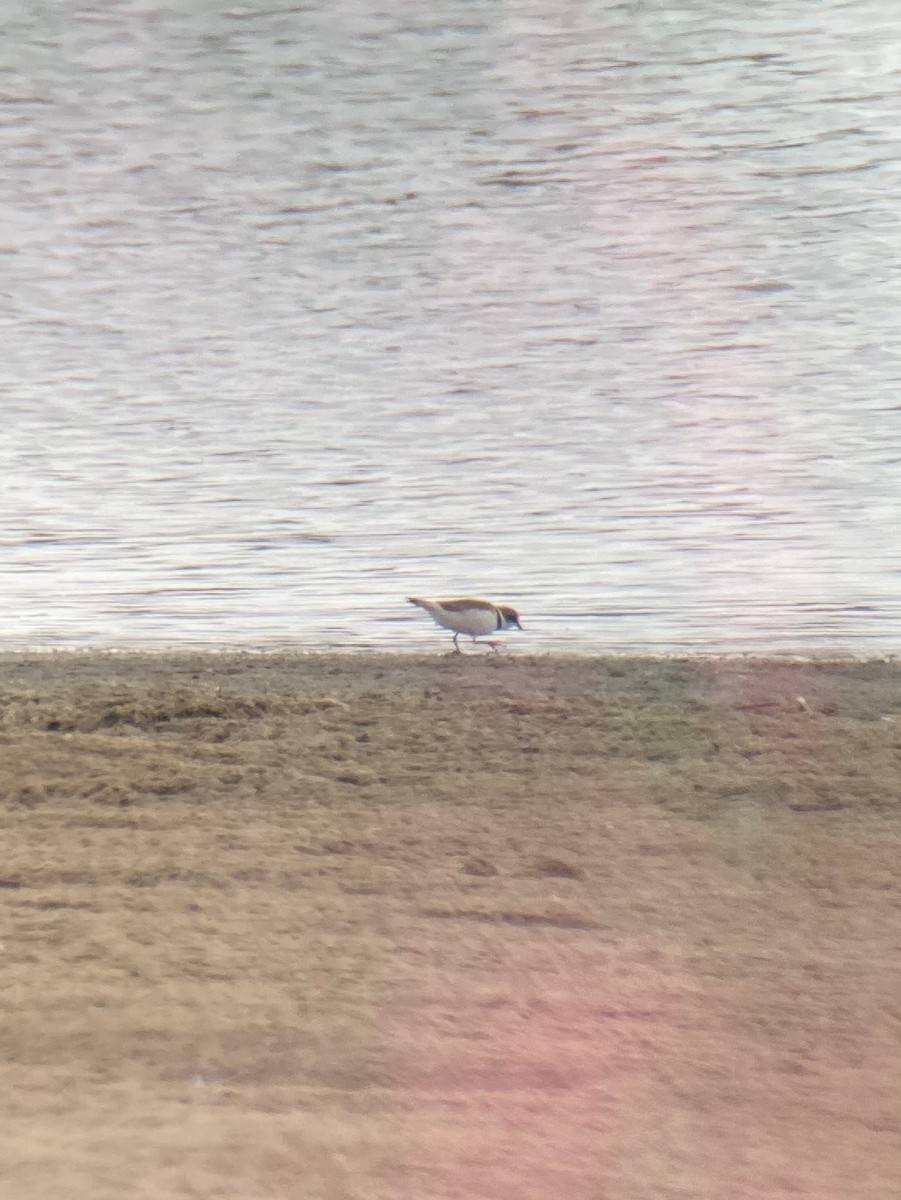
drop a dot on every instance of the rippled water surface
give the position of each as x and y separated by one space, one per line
592 307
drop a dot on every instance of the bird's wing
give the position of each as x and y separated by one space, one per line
462 603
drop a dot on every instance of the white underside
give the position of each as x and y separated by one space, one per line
476 622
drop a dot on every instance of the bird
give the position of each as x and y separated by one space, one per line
466 615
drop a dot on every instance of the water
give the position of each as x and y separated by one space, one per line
592 310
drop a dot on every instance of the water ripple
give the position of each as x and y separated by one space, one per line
592 310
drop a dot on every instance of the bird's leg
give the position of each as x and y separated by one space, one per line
495 646
457 649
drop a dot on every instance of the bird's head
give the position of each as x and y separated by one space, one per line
509 616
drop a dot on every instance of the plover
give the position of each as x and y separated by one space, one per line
474 618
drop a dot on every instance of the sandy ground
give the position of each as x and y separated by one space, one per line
379 927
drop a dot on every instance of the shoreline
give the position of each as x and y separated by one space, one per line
418 655
449 925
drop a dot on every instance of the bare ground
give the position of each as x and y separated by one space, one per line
382 927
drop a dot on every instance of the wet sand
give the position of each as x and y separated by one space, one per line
373 927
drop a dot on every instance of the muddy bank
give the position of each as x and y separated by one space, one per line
389 926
